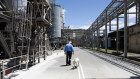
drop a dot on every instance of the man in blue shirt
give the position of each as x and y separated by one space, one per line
68 52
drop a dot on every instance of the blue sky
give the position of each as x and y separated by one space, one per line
81 13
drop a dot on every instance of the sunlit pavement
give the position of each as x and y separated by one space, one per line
91 67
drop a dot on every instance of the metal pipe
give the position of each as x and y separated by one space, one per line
38 57
39 51
3 70
33 57
125 28
27 62
45 46
106 32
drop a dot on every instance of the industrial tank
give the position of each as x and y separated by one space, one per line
57 21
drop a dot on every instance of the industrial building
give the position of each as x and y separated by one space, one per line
74 35
133 39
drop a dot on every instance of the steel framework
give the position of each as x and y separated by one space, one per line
114 11
24 25
23 30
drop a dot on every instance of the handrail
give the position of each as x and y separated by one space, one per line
3 66
25 61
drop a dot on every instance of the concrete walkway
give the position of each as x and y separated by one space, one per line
91 67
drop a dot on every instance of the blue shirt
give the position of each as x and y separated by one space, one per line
68 47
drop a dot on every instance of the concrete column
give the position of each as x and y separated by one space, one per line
125 28
106 33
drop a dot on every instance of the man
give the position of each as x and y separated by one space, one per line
68 52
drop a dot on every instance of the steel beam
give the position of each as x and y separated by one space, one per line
117 35
113 13
97 36
110 25
139 12
136 13
94 39
125 28
106 32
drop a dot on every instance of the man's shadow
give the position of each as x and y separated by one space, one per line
63 65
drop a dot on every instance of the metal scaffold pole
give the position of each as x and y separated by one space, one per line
125 28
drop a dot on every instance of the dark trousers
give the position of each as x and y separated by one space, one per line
68 57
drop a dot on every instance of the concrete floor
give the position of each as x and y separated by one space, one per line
91 67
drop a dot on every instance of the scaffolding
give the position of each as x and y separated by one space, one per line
23 31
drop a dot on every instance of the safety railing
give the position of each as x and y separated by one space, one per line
19 62
15 62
